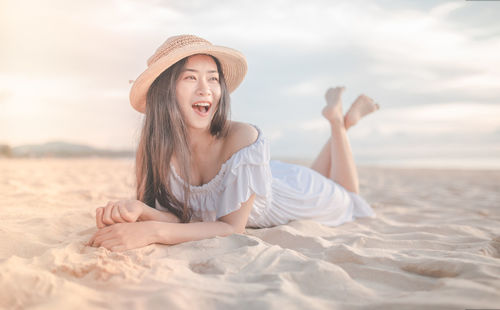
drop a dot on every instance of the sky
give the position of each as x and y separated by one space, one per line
433 67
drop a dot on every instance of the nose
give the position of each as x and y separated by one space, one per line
203 89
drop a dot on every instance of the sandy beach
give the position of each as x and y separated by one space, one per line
435 244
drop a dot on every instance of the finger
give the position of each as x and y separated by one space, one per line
106 217
104 234
98 217
116 215
98 240
125 214
106 239
109 204
92 239
108 244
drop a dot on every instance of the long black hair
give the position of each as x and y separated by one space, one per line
163 133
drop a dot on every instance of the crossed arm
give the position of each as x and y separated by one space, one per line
133 224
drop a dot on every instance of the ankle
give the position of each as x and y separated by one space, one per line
337 122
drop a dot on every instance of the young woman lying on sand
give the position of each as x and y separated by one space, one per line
201 175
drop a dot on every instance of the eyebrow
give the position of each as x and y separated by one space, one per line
193 70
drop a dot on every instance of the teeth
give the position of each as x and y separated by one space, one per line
202 104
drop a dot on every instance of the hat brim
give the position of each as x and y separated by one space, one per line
233 63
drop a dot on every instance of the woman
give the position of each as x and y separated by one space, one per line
200 175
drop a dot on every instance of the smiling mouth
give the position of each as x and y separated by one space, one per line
202 106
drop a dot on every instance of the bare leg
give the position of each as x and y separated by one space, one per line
323 161
361 107
342 167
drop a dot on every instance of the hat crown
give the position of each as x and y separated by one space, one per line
232 63
175 43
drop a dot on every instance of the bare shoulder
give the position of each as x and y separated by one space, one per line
240 135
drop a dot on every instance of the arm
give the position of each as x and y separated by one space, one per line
130 210
173 233
239 218
125 236
152 214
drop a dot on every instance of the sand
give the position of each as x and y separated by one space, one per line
435 244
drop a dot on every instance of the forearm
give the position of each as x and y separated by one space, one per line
151 214
174 233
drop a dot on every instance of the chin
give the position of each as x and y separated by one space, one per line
200 126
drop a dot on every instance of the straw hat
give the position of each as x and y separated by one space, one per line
233 63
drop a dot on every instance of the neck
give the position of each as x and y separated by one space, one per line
200 140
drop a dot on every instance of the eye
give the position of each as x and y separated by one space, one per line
190 77
214 78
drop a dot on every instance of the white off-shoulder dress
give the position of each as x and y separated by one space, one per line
284 192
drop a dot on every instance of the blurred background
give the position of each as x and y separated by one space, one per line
433 66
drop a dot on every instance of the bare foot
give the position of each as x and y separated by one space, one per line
362 106
333 109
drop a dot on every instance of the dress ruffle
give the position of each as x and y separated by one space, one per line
284 192
246 172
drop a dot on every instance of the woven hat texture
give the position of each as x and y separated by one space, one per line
233 64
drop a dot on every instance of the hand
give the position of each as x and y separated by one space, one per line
124 236
121 211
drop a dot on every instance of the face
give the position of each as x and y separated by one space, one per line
198 91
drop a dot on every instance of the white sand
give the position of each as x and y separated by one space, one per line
435 244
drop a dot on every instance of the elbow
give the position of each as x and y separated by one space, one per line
233 229
238 230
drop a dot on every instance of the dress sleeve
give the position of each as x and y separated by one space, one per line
249 173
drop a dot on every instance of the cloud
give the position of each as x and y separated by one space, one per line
427 63
443 10
316 125
311 87
428 129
